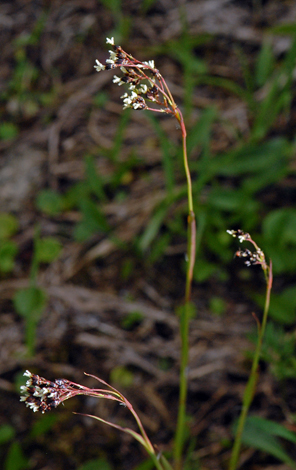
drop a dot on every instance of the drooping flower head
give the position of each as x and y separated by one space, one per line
41 394
252 257
143 80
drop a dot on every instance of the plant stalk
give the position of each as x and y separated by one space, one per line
186 311
251 385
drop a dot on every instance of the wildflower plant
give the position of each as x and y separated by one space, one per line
43 395
147 85
255 257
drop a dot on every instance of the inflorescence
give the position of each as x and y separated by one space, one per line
253 257
42 395
143 79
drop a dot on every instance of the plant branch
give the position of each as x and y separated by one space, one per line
256 258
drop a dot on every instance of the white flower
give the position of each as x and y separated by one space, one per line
128 99
231 232
143 88
117 80
27 374
112 59
110 41
150 63
98 68
134 96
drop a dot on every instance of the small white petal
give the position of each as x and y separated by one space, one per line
27 373
143 88
110 41
150 63
98 68
117 80
113 55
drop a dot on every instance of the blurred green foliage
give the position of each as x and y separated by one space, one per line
8 131
96 464
121 377
263 434
228 189
12 453
8 247
278 351
30 302
227 186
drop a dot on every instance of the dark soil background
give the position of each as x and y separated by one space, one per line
82 328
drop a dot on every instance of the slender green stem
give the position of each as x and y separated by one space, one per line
156 462
143 432
251 385
185 314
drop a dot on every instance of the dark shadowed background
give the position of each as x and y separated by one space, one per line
93 226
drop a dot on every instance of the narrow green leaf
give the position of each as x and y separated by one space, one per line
258 435
93 179
271 427
167 154
15 459
265 62
200 133
152 228
93 218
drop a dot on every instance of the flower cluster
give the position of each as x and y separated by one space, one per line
242 236
143 79
254 257
40 394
